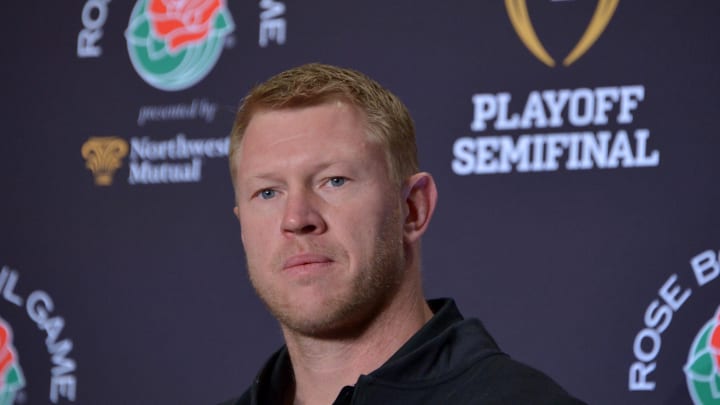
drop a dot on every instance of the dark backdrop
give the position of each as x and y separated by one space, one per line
147 281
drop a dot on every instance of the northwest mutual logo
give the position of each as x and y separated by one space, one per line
103 156
176 160
520 19
173 44
703 365
11 377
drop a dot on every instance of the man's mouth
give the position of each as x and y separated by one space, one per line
306 261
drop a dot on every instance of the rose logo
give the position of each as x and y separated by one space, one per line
703 366
173 44
182 22
11 377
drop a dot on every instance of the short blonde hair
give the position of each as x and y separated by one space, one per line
388 119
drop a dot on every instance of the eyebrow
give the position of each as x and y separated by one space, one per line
271 175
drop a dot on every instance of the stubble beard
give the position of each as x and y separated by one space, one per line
348 314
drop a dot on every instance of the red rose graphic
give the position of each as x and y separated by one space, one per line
715 341
182 22
6 356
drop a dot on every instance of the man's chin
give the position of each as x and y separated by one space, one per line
326 321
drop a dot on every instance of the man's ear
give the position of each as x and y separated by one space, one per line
420 196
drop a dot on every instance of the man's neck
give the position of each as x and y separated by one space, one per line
322 367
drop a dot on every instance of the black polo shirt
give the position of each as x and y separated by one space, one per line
450 360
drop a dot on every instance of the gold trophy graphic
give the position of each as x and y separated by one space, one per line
520 19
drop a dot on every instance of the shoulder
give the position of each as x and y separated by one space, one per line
479 370
508 381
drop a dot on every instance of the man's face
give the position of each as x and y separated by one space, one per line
321 221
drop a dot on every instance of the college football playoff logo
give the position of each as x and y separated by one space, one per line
520 19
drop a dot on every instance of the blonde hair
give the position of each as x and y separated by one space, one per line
388 119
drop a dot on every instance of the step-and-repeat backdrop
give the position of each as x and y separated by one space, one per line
575 144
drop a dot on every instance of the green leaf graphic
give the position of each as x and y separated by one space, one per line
703 366
139 30
13 378
156 48
222 21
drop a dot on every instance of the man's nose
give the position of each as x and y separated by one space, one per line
302 215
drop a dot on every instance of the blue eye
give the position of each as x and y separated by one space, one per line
267 194
337 181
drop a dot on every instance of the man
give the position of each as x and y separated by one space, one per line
332 207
